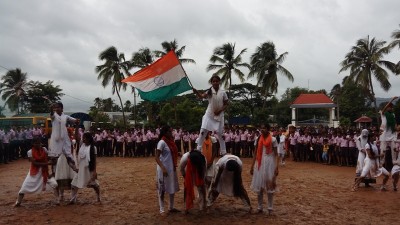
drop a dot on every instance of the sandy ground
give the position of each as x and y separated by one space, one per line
309 193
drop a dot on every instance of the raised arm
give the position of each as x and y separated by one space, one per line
387 105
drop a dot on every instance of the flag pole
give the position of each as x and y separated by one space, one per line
190 83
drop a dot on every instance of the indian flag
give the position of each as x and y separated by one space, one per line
160 81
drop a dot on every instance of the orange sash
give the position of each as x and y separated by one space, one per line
39 155
207 150
174 150
267 142
189 184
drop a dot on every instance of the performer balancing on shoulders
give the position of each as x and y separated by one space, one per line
213 119
60 148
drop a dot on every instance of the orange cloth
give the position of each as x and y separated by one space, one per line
267 142
189 184
39 155
207 150
174 150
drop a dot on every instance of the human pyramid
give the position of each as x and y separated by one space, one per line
74 164
72 158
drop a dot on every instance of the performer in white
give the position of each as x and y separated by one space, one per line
87 175
213 119
389 135
228 180
167 179
38 179
282 145
361 143
264 168
372 164
396 166
60 148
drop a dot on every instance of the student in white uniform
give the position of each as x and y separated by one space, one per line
228 180
372 164
396 164
213 119
264 168
87 174
167 179
60 148
38 179
282 145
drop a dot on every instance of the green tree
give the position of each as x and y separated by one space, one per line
107 105
113 71
247 95
13 89
365 62
39 91
352 101
2 109
335 96
141 59
173 45
265 65
98 103
225 62
127 106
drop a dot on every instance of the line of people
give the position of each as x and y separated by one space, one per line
16 141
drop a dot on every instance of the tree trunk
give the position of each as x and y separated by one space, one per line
374 99
122 107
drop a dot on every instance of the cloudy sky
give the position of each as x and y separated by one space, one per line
60 40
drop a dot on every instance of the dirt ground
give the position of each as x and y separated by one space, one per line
309 193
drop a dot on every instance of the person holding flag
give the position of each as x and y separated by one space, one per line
213 119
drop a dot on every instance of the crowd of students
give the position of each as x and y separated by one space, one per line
16 141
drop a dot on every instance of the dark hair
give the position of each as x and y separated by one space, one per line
212 77
234 167
163 131
36 140
92 163
88 137
199 161
60 104
209 92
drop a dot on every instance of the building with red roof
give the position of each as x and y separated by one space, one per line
319 100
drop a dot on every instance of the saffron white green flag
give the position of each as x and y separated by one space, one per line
162 80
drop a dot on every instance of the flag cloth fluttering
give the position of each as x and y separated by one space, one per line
162 80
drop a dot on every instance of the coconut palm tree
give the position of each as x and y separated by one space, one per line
265 65
112 71
13 89
225 62
365 61
141 59
336 93
396 42
2 108
97 103
173 45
